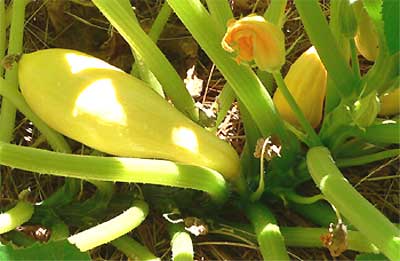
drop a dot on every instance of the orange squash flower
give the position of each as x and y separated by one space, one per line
254 38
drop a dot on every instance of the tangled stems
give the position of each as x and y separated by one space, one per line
160 172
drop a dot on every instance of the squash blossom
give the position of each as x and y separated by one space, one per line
254 38
306 81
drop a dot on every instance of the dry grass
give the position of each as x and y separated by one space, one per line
83 28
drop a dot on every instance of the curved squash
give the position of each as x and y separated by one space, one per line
107 109
390 103
306 81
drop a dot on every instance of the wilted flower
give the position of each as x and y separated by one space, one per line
254 38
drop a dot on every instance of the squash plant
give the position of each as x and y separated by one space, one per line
65 92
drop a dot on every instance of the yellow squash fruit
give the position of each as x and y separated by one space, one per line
390 103
306 81
366 38
105 108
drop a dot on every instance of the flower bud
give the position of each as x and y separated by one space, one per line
254 38
390 103
306 81
365 110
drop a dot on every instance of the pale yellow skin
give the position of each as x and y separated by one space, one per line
390 103
366 38
306 81
105 108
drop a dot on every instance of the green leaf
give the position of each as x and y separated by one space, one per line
391 25
55 250
374 9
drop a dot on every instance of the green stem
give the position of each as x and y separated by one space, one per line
159 23
352 205
322 38
386 132
319 212
16 216
141 43
276 12
2 33
313 139
181 243
160 172
354 59
133 249
111 229
300 237
220 12
362 160
268 234
8 111
55 139
294 197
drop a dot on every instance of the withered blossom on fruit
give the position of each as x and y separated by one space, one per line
254 38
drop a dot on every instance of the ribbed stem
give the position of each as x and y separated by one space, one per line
362 160
133 249
181 243
352 205
159 172
111 229
8 111
268 234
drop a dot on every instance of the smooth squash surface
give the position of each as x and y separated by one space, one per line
107 109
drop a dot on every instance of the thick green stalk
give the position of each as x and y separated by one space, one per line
311 237
160 172
16 216
111 229
352 205
300 237
247 87
322 38
159 23
276 12
268 234
141 43
313 139
386 132
56 140
2 33
319 212
181 243
221 13
155 31
133 249
362 160
8 111
354 59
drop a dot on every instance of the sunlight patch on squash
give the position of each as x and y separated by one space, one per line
185 138
100 101
79 63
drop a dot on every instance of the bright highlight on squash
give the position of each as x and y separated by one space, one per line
107 109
